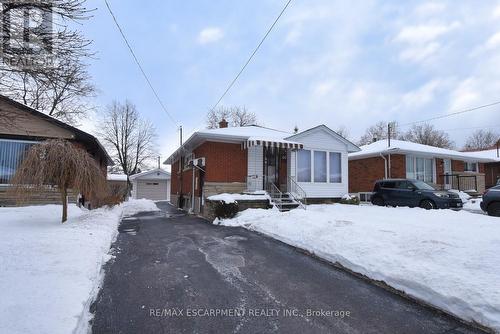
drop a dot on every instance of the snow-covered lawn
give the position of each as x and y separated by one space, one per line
446 258
50 272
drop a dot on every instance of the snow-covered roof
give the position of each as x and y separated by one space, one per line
117 177
252 133
487 154
230 134
404 147
246 132
157 173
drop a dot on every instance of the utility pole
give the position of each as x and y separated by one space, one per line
389 134
180 204
159 162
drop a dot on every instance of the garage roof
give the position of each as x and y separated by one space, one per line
154 174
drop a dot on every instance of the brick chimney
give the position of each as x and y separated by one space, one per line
223 124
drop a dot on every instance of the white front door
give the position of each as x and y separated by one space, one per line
447 173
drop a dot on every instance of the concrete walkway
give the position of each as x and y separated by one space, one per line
178 274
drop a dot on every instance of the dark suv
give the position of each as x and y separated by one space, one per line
491 201
413 193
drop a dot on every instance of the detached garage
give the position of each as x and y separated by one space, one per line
153 185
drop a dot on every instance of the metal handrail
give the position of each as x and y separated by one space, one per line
297 192
275 193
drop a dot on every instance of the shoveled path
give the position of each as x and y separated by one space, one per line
176 265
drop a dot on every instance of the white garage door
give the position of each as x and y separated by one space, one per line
156 190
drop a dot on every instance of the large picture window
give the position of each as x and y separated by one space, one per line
304 166
335 167
319 166
420 168
12 153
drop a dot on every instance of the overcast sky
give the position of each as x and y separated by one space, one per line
341 63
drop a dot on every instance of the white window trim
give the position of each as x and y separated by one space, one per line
471 171
327 166
434 175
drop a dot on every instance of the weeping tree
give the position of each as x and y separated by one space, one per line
62 164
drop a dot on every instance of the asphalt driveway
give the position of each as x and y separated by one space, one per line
178 274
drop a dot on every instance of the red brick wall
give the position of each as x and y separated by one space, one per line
482 168
364 172
398 166
224 162
457 166
492 173
439 171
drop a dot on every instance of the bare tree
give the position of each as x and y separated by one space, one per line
61 93
240 116
481 139
236 116
343 131
62 164
53 78
428 135
130 138
378 131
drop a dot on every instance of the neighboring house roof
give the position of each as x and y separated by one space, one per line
117 177
406 147
80 135
153 174
493 154
250 133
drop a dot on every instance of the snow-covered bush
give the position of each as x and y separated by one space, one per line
349 199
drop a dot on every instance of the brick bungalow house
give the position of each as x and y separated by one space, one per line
491 169
444 168
20 128
311 164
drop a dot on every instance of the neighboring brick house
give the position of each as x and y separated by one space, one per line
444 168
492 168
254 158
20 128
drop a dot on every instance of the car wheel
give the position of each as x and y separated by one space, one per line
379 201
494 209
427 204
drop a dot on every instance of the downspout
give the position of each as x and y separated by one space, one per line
385 165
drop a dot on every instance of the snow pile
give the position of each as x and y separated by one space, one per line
463 195
117 177
51 271
446 258
348 197
234 198
474 205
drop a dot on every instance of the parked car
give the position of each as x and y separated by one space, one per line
491 201
413 193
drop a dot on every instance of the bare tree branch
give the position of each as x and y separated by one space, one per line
481 139
130 138
237 116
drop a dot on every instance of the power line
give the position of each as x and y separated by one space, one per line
139 63
473 128
252 55
452 114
